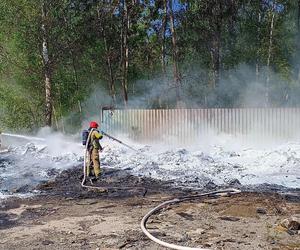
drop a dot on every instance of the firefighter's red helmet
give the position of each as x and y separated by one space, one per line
94 125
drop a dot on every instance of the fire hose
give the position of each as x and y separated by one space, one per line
160 206
117 140
86 153
176 201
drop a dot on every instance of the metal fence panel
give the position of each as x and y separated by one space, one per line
188 125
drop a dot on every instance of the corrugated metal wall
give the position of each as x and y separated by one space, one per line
188 125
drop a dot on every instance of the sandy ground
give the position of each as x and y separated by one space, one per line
66 216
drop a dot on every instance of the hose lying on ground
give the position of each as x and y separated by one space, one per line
175 201
157 208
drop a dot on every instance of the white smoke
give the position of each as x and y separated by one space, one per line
220 159
220 162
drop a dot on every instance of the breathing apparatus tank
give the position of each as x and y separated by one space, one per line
85 135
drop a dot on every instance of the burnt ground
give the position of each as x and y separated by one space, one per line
66 216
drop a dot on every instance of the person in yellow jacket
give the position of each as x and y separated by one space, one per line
94 147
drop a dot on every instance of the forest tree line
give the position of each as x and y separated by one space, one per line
57 54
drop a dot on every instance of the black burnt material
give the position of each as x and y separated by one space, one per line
119 184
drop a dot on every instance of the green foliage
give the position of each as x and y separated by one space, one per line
84 43
18 109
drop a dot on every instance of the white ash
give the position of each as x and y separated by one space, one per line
194 167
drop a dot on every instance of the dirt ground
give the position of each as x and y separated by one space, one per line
65 216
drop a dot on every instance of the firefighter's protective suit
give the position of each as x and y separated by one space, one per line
94 147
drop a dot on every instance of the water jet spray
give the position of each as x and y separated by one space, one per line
29 138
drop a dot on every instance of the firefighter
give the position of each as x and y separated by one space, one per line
94 147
